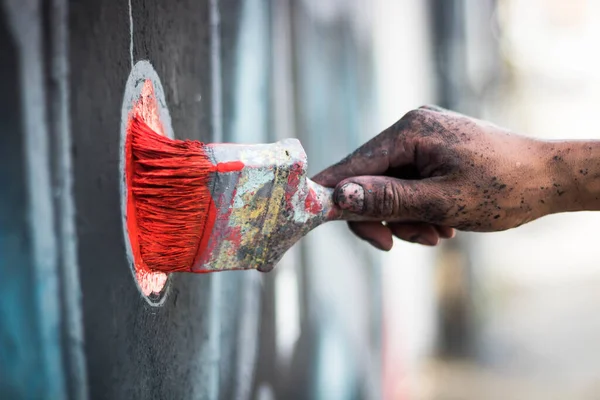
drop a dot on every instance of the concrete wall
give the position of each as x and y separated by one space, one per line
72 321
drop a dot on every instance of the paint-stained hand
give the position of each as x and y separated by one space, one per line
435 170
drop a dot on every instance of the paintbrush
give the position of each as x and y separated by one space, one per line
195 207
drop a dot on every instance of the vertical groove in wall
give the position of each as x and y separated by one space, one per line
214 308
59 127
216 79
130 9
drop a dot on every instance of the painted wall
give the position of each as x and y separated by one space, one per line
72 321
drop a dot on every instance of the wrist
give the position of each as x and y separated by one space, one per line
573 171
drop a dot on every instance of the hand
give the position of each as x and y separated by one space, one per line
435 170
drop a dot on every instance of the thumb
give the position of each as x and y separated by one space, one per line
392 199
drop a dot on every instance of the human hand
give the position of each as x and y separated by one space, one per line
435 170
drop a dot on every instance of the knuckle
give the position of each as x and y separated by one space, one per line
414 115
389 202
410 122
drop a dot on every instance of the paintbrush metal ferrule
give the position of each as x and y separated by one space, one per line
262 204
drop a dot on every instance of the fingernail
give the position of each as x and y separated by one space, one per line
375 244
425 242
351 197
421 240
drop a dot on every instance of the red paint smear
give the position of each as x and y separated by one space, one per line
293 182
234 233
132 227
311 204
232 166
211 216
235 236
224 167
146 107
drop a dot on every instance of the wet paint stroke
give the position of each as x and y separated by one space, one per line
149 281
144 97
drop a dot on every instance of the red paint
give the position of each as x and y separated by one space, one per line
132 227
293 181
223 167
221 223
211 217
312 204
232 166
234 235
171 196
146 108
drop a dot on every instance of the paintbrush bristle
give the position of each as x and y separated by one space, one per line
170 188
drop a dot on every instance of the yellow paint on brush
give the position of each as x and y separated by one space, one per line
255 216
264 208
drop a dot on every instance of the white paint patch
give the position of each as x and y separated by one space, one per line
256 178
130 33
298 199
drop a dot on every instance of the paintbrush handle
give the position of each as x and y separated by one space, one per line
263 208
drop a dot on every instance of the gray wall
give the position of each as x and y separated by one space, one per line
72 321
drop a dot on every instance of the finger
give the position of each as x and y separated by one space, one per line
417 232
372 158
445 232
391 148
391 199
375 233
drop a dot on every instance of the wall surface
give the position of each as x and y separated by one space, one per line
160 352
73 323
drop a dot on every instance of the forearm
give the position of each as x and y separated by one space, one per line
573 168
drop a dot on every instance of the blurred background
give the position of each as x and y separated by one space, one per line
510 315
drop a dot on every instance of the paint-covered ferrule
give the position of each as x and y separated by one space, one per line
261 209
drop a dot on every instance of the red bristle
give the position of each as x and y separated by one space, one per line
170 188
